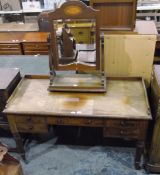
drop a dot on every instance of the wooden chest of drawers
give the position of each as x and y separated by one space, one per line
35 48
10 49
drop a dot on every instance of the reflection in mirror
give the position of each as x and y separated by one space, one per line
75 40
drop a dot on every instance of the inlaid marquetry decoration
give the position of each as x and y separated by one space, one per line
72 10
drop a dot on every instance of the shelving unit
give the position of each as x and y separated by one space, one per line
27 11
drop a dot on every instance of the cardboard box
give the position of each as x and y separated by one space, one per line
10 5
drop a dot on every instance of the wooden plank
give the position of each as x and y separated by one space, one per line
129 55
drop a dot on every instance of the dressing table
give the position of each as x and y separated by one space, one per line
119 106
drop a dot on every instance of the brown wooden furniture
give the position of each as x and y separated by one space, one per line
9 78
35 43
32 108
153 164
10 43
116 14
27 43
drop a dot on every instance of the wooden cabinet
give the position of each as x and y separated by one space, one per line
116 14
27 43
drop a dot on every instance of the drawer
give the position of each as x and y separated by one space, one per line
30 119
122 124
9 46
10 49
121 133
75 121
35 48
32 128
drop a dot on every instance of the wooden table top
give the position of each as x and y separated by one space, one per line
124 99
35 37
18 37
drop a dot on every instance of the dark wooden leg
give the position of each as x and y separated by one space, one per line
16 135
19 145
139 153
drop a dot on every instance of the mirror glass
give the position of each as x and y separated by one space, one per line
76 40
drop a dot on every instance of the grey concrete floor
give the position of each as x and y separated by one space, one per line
49 158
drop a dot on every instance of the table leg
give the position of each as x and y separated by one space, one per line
19 145
16 135
139 153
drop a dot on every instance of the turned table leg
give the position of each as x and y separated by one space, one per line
139 153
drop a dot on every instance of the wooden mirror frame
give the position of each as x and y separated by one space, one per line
72 10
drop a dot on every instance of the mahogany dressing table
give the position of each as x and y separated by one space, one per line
122 112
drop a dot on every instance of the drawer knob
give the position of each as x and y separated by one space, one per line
59 121
31 127
89 122
29 119
122 123
122 132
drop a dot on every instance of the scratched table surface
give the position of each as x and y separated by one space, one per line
123 99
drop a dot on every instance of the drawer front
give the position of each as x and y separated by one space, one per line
10 49
121 133
35 48
75 121
30 119
122 124
32 128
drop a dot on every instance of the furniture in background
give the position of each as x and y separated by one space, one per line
116 14
31 109
128 54
9 78
27 43
153 164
